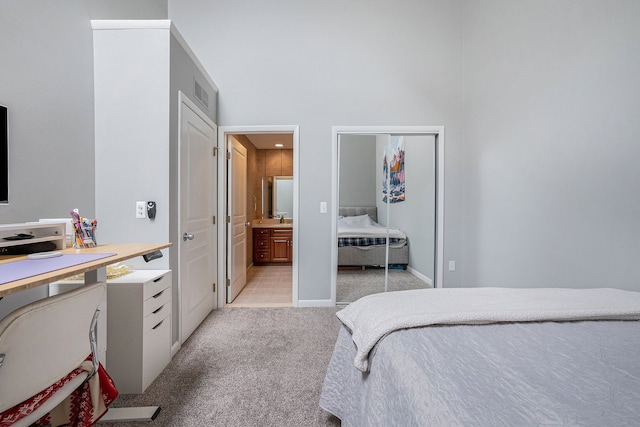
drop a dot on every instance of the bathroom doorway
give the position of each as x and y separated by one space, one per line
268 258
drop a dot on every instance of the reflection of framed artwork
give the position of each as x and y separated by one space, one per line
393 171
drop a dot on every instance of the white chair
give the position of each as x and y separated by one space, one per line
44 341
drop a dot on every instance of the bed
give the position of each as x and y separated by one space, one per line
487 357
362 243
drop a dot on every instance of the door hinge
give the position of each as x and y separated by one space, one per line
214 220
228 282
228 155
228 219
215 151
214 287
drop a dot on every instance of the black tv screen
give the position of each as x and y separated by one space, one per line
4 155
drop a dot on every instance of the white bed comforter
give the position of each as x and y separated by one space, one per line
364 226
372 317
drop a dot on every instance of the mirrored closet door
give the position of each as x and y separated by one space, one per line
386 221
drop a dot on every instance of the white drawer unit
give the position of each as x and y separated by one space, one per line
138 328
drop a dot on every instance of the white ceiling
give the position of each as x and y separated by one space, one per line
268 141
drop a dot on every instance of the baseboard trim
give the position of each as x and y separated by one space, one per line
174 348
315 303
420 276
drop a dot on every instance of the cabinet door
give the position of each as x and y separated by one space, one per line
261 257
290 255
261 245
280 249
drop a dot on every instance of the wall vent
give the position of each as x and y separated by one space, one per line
201 95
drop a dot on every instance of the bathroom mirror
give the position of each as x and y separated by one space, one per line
277 197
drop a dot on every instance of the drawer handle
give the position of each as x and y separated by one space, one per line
158 325
158 294
158 279
158 310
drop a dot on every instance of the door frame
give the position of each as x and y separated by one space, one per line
223 133
438 133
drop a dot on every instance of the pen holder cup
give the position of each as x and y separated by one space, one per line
85 237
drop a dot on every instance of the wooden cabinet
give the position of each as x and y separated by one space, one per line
272 245
281 243
138 328
261 245
278 162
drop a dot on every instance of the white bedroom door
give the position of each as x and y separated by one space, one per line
198 205
237 230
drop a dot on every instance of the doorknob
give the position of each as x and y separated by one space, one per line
246 224
186 237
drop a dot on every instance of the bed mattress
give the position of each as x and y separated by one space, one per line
369 241
537 373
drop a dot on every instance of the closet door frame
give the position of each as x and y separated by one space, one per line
438 133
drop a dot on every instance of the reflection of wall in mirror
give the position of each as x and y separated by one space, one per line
416 215
270 163
357 174
267 191
283 196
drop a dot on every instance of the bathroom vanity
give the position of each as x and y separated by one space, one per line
272 243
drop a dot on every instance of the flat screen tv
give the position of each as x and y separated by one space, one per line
4 155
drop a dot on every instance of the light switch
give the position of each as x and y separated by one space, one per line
323 207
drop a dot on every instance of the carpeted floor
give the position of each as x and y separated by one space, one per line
247 367
354 284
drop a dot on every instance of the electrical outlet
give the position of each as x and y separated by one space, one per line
452 266
141 208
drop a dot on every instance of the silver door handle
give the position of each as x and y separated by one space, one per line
186 237
246 224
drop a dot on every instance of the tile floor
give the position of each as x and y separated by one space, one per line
267 286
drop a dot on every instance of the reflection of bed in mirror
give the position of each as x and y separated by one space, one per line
361 240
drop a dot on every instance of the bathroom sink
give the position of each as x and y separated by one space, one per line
271 223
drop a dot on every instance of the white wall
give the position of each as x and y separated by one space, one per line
46 81
552 148
128 9
138 73
132 136
321 64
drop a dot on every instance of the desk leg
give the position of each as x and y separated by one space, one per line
93 276
119 415
98 275
115 415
